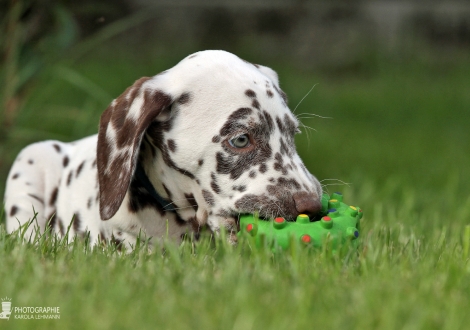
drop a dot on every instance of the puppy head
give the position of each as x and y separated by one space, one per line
215 137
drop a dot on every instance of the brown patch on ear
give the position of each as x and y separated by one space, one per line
117 156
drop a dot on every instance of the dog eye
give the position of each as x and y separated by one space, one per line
240 141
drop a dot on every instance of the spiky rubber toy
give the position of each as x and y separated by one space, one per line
337 224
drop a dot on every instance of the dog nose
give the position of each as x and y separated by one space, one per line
307 203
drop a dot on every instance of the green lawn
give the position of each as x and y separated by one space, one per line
399 138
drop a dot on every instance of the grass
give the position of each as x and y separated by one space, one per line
399 138
397 280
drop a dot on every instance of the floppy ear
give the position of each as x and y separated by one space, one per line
122 127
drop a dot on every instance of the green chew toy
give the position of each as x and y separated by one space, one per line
337 224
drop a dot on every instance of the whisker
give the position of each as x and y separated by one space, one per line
311 115
181 208
308 127
304 97
340 181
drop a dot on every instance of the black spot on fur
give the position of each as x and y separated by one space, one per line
184 98
263 168
232 124
13 210
252 174
284 183
76 222
268 120
30 161
79 169
240 188
250 93
171 145
216 138
139 198
270 93
200 162
191 200
167 191
15 176
280 124
56 147
89 203
65 161
215 187
279 164
208 197
53 198
69 178
290 125
284 150
255 104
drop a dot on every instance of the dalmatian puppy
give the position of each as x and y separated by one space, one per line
198 144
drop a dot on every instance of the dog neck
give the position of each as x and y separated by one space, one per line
143 179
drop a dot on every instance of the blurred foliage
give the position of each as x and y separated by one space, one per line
41 40
32 39
36 36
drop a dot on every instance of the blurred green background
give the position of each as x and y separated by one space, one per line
394 78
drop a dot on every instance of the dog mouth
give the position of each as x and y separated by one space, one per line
269 215
313 218
281 204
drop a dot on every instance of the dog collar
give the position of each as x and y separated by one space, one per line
143 179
